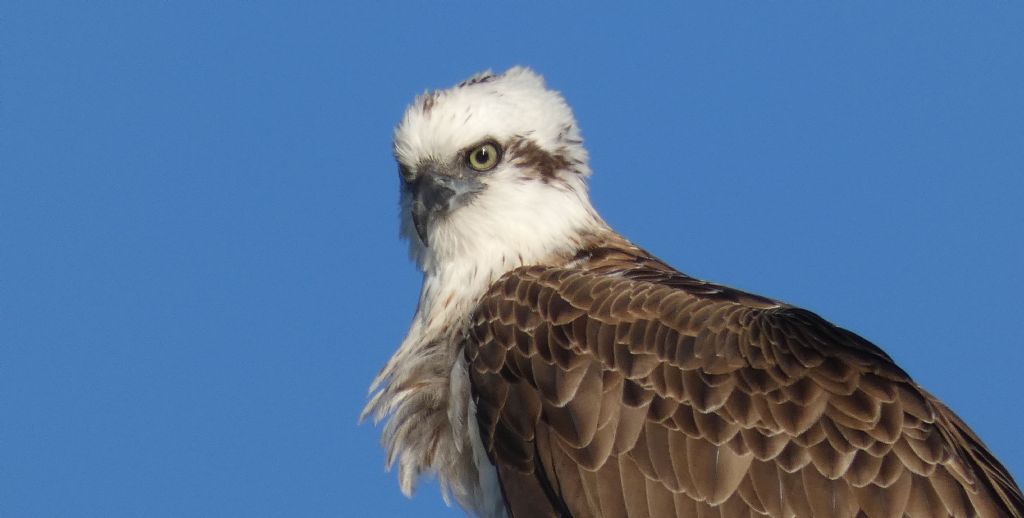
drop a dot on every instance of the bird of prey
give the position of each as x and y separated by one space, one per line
555 369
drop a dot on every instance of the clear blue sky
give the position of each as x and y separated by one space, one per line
199 264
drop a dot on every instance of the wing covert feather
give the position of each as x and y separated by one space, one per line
621 388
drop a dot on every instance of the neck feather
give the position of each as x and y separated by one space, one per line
475 247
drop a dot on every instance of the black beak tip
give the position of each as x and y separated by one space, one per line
431 200
418 221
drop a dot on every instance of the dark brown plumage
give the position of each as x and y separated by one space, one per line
615 386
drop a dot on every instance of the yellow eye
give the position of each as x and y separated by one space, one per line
484 157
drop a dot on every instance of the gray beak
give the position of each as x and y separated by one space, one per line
435 195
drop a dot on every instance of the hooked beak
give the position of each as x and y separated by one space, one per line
435 195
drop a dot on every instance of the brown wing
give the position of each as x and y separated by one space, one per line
624 389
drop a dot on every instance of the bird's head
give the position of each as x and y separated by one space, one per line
492 169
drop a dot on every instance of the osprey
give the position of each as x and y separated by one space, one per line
554 368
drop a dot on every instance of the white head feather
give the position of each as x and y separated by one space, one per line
522 215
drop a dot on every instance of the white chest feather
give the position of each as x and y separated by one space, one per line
424 392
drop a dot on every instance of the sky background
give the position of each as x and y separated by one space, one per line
200 270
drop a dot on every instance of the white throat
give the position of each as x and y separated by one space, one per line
499 232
